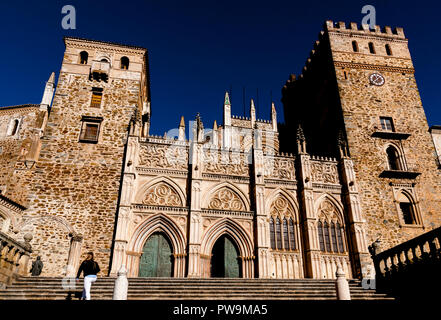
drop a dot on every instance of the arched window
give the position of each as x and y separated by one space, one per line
15 127
388 50
371 48
341 247
125 63
83 57
326 235
272 234
292 239
330 229
321 238
354 46
104 60
285 235
333 238
278 234
393 158
407 209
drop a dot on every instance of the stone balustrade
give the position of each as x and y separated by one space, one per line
14 258
403 269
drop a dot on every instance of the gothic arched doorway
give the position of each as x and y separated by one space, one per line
157 257
225 260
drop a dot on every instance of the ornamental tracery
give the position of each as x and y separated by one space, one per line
228 163
279 168
162 194
324 172
226 199
283 225
330 228
163 156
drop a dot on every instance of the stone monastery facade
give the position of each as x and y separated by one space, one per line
354 162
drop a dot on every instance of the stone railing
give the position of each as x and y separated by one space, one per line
14 258
411 267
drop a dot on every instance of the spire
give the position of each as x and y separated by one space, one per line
227 110
274 116
252 113
215 134
199 126
301 141
52 78
227 99
342 144
181 134
48 92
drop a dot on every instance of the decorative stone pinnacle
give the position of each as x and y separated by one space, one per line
300 134
227 99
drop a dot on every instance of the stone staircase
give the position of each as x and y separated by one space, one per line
51 288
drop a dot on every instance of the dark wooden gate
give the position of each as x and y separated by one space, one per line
157 257
225 261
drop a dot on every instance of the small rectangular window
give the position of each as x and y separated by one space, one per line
90 129
387 124
97 95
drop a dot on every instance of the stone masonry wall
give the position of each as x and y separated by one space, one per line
77 184
362 105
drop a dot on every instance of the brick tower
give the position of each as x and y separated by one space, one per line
358 90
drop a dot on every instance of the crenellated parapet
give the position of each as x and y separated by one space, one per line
364 30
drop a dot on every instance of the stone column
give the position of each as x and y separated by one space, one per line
261 219
195 219
342 285
309 230
74 255
121 285
119 256
359 253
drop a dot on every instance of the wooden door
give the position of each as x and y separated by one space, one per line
157 257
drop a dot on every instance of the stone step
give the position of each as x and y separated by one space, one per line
44 288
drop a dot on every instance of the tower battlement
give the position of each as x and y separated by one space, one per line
363 29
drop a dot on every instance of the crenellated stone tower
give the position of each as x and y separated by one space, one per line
358 91
73 194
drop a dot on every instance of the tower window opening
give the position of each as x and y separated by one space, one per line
125 63
97 95
388 50
83 57
387 124
371 48
407 212
393 158
354 46
15 127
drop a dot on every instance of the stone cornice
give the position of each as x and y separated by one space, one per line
373 67
224 213
10 204
23 108
144 170
97 44
144 207
362 35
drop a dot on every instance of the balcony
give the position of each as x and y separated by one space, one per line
390 135
100 67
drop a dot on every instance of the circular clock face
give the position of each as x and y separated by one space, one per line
376 79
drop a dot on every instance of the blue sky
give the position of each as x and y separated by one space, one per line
199 49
